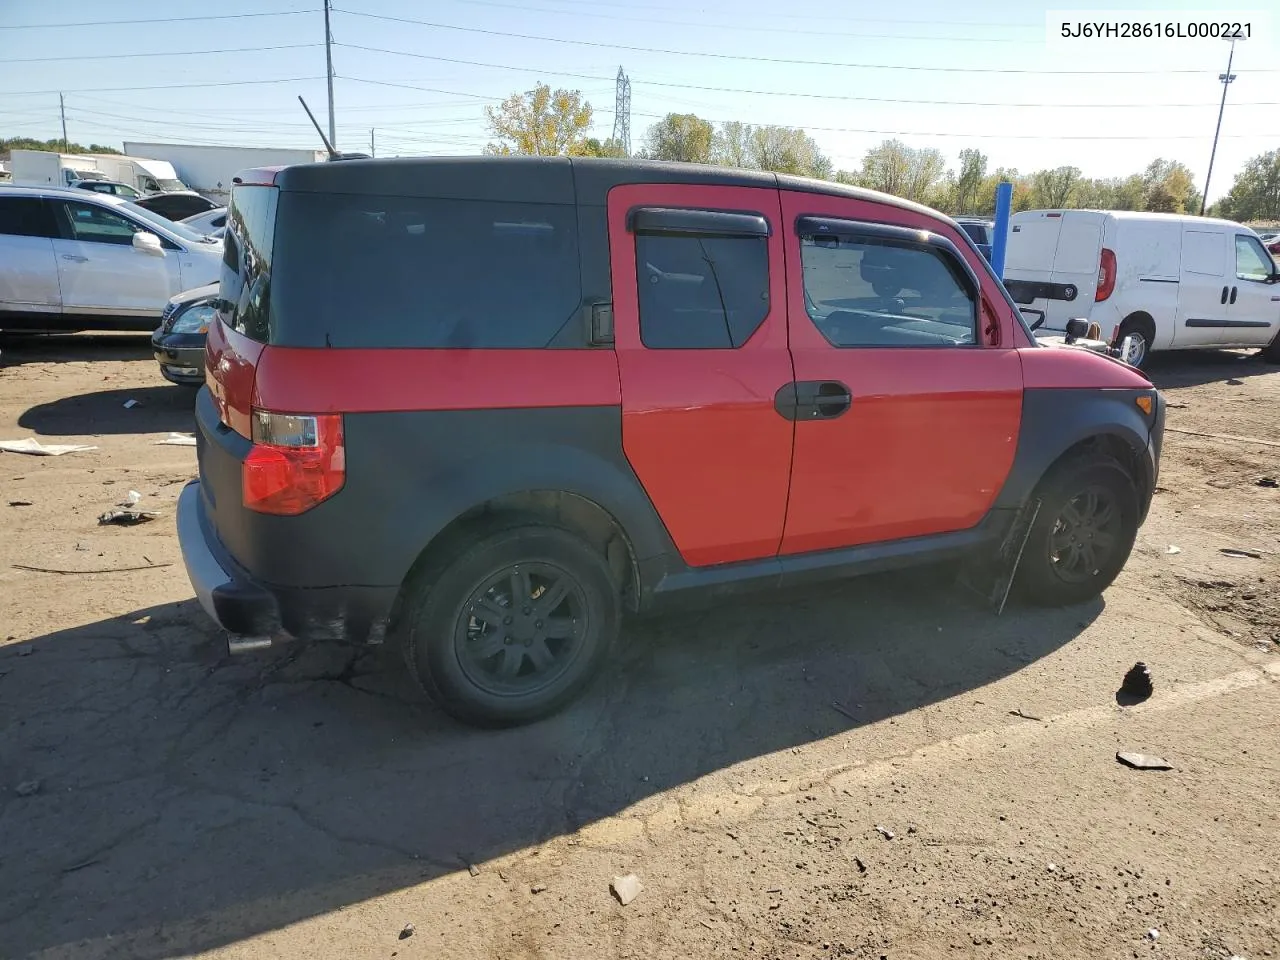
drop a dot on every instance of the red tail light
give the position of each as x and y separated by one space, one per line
295 462
1106 275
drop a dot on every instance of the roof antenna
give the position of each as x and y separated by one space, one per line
333 154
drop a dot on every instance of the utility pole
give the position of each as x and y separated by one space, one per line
1226 78
62 108
328 63
372 151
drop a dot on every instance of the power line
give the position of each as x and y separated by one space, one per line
165 86
788 93
149 22
166 53
745 27
780 60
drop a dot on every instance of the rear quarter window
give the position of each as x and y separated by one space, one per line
381 271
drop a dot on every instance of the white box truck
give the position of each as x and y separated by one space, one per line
147 175
44 168
1163 281
209 169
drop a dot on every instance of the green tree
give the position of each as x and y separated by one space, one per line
969 181
591 147
887 168
1169 187
730 145
1255 194
680 136
54 145
925 169
786 150
539 122
1053 189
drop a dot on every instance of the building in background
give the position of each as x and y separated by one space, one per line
209 170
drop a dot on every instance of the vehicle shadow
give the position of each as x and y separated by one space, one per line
19 348
186 801
156 409
1192 368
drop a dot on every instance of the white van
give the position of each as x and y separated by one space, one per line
1168 282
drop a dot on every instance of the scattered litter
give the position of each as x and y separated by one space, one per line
407 932
26 651
1024 715
28 788
1143 761
841 709
1171 549
626 888
20 503
38 449
774 890
1234 552
1268 482
31 569
126 518
131 500
178 440
538 888
884 832
131 403
708 924
1137 684
472 868
862 867
1153 934
1053 868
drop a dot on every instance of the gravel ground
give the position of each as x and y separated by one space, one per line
160 800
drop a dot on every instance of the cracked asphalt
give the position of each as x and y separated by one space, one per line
158 799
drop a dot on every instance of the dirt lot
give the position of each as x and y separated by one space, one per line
310 804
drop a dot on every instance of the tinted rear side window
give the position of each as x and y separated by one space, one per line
26 217
374 271
246 261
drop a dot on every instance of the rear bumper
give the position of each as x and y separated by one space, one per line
181 357
246 607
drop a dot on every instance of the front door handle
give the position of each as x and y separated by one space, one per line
1223 298
812 400
1233 294
75 258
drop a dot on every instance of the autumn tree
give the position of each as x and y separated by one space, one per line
1052 189
680 136
730 145
591 147
539 122
786 150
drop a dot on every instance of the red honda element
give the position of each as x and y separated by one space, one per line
485 407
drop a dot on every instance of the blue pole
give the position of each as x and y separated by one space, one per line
1000 238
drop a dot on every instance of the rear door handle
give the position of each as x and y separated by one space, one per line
75 258
1233 294
812 400
1223 298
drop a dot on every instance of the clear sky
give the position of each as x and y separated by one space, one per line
178 81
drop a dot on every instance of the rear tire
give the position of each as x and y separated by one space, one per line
1271 352
1083 534
1143 333
510 627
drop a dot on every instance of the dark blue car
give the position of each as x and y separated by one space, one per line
979 231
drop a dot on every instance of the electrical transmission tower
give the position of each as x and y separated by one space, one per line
622 112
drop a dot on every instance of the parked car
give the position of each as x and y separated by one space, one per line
178 342
689 382
76 260
1272 244
211 221
979 231
1166 282
113 187
177 206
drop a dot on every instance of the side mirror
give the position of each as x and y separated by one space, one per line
1039 317
1077 327
148 243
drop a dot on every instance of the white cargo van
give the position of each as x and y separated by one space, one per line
1167 282
149 176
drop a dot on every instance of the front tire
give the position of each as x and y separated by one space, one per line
1083 534
511 627
1271 352
1143 334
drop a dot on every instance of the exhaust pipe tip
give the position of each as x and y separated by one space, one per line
240 644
